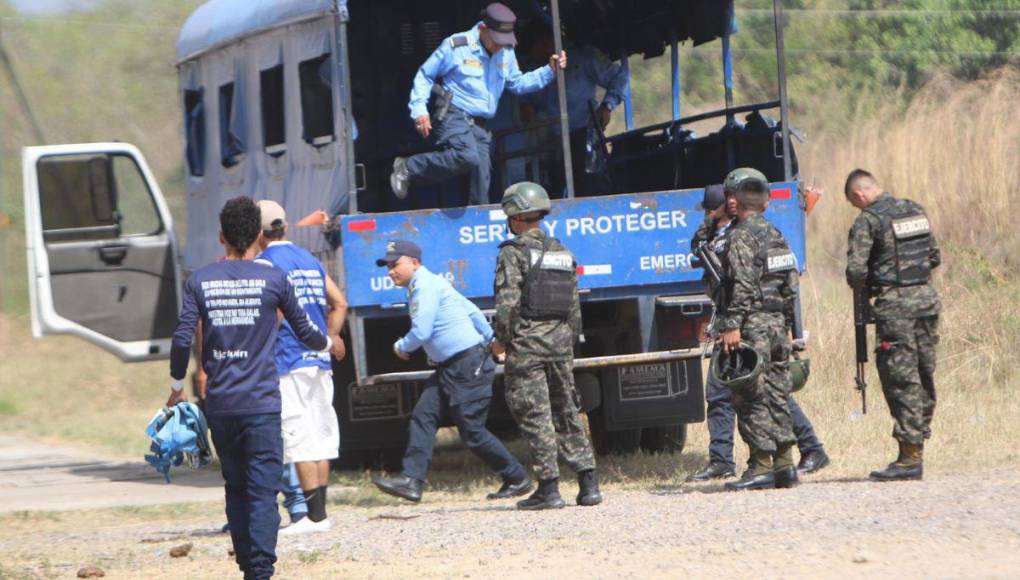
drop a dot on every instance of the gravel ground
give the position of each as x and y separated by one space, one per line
946 526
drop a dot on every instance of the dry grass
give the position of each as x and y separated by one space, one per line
953 150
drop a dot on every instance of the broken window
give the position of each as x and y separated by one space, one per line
231 143
274 136
194 131
317 100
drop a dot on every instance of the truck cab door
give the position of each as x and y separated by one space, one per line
102 257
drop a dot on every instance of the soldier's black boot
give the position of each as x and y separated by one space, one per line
908 467
758 475
589 493
404 487
546 497
783 470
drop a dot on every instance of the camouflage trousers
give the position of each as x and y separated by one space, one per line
763 415
905 356
544 402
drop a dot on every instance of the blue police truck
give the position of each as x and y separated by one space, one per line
305 102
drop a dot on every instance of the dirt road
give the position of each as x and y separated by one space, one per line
945 526
39 476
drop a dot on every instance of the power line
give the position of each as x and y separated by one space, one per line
764 12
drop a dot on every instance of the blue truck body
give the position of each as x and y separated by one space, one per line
622 243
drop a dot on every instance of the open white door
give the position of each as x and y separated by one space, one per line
102 257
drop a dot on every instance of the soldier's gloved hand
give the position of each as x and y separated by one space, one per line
423 125
400 354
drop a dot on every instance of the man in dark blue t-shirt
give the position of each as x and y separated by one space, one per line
236 300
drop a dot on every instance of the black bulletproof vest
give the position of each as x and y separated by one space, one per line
773 263
550 281
902 253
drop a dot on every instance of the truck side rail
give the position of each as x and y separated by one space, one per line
579 364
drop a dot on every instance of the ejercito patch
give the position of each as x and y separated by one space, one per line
911 226
782 262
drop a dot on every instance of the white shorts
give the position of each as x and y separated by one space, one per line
310 428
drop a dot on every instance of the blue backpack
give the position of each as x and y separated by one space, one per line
178 434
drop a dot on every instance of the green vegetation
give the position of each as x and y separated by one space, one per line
921 92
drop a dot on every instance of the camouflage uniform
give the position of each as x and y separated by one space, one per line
906 316
539 366
763 413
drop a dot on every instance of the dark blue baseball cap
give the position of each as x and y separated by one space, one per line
397 248
714 197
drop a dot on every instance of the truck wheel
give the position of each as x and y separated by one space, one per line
669 439
606 442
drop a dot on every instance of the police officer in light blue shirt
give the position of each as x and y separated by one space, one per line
589 69
454 334
475 67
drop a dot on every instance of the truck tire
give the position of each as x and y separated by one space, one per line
669 439
607 442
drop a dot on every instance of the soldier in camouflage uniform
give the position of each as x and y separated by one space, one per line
891 253
720 207
757 309
537 323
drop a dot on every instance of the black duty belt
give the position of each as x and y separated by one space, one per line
460 355
477 121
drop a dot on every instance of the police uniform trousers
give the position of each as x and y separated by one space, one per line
585 184
544 402
722 419
463 148
905 356
459 391
762 409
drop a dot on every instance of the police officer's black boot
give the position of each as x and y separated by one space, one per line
909 466
404 487
546 497
512 488
589 493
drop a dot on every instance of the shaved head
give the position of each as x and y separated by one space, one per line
859 179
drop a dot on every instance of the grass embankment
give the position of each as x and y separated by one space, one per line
953 150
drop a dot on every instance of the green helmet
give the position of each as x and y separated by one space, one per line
525 197
800 370
741 174
737 369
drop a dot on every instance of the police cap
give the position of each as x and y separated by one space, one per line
714 197
397 248
500 21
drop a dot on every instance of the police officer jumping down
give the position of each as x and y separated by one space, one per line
537 323
474 67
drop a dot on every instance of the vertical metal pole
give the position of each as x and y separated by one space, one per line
784 104
628 105
347 107
727 67
674 64
561 92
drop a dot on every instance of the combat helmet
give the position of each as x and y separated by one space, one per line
740 175
800 370
737 369
525 197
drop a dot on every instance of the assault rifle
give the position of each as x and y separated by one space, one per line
862 316
708 260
